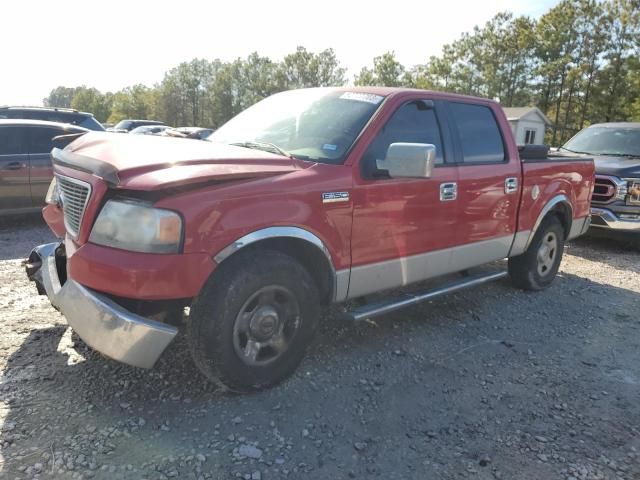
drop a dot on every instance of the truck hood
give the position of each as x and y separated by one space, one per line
623 167
145 162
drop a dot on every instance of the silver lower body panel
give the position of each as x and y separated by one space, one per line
103 324
579 227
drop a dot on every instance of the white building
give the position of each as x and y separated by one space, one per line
528 124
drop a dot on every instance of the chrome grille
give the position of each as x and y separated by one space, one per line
604 189
74 195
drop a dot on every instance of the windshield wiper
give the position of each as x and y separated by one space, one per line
575 151
628 155
264 146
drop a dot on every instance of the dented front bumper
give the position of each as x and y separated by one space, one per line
103 324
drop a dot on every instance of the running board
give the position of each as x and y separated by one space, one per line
380 308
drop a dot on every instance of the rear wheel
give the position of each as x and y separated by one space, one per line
251 325
536 268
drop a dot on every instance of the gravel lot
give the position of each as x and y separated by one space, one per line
488 383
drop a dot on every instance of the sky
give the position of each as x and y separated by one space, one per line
114 44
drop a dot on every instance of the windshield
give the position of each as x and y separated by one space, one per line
311 124
123 125
623 141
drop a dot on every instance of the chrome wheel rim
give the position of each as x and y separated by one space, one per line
547 253
266 325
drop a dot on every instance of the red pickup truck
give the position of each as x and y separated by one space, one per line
307 198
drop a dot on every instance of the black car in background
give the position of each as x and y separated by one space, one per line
616 196
127 125
59 115
25 161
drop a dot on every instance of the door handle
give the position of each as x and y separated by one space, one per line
448 191
13 166
510 185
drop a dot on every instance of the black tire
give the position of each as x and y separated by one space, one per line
533 270
286 298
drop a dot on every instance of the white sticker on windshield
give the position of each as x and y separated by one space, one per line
362 97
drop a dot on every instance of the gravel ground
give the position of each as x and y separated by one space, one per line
487 383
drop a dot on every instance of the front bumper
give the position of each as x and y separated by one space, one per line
99 321
605 218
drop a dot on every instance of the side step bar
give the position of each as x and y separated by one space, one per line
380 308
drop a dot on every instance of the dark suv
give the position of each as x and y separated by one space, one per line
25 161
61 115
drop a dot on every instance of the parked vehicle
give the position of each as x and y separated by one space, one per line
58 115
197 133
25 162
616 196
307 198
125 126
149 130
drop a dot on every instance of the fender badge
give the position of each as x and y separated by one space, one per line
334 197
535 192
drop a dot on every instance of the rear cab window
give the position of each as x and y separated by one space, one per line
479 134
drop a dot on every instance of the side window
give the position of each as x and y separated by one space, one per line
40 139
87 122
11 141
414 122
480 136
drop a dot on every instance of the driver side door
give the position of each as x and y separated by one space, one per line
403 226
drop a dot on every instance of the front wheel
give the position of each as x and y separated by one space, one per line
251 324
536 268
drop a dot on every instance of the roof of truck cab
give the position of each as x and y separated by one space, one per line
387 91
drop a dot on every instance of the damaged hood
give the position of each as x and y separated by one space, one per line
145 162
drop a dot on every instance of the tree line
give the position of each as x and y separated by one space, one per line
579 63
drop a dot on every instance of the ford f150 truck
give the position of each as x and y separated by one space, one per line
616 196
307 198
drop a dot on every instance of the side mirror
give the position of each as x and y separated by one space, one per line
409 160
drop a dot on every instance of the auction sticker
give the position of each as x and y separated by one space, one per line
362 97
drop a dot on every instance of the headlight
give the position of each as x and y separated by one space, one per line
621 190
130 225
633 190
53 194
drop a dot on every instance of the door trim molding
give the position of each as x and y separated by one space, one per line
398 272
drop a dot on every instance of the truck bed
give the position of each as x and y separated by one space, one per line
542 153
573 178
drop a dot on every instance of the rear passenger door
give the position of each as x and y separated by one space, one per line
14 169
488 182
